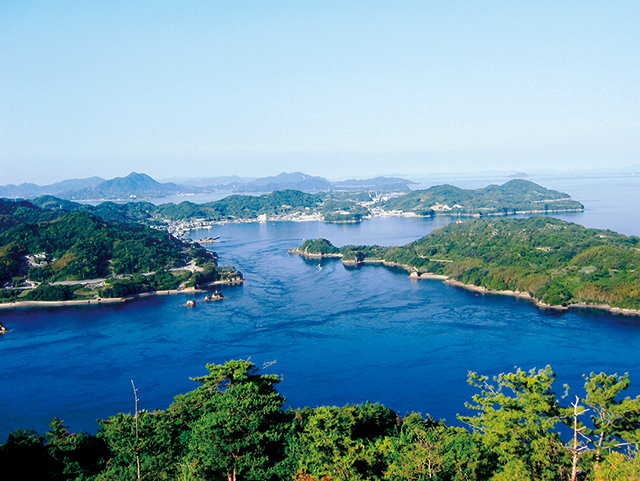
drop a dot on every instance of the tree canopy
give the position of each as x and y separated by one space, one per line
233 426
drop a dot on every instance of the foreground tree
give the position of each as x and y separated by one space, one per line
516 419
339 443
232 424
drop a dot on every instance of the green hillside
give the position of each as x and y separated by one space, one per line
44 246
514 196
556 262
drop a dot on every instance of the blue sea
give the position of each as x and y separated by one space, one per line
337 334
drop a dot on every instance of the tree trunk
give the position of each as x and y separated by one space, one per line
574 464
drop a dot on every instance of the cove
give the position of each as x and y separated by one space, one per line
339 335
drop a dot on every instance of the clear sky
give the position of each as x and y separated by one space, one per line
333 88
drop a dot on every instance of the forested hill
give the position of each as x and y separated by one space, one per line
230 208
39 247
515 196
20 211
233 426
512 197
556 262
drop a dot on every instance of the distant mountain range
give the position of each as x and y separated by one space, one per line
141 186
29 191
132 186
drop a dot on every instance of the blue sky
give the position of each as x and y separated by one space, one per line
332 88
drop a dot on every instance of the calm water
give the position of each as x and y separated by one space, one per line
339 335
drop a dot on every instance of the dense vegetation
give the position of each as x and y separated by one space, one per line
45 246
336 206
557 262
233 427
230 208
514 196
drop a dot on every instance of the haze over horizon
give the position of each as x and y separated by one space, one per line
409 88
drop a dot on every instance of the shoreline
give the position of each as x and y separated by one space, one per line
543 305
414 275
95 301
187 229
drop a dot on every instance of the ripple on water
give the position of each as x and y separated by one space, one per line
339 335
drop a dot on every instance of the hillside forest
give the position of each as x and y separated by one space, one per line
555 262
515 196
51 255
233 426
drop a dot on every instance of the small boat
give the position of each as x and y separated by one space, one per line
319 267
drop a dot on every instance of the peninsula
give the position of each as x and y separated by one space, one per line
69 257
553 262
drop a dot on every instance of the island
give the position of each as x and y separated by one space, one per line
54 255
555 263
516 196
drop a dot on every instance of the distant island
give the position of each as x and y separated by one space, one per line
514 197
517 196
55 255
141 186
553 262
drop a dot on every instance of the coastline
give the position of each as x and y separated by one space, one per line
311 218
471 287
544 305
112 300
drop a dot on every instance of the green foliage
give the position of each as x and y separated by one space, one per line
514 196
14 212
124 287
78 245
339 442
318 247
249 207
426 449
209 273
232 427
83 247
232 422
516 419
617 466
11 261
8 295
343 211
614 421
557 262
75 456
157 444
46 292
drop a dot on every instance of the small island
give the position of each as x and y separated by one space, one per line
555 263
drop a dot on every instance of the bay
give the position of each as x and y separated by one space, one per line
339 335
